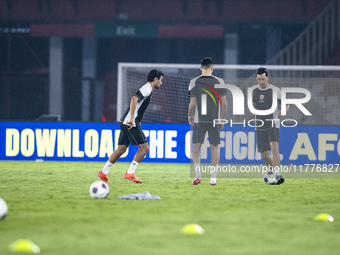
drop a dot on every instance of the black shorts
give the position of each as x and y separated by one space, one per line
200 129
135 135
264 137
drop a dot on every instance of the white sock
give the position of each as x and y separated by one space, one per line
107 167
133 167
197 171
213 171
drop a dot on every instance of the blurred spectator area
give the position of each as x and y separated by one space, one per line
161 10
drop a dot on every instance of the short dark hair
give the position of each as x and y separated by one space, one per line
153 74
206 62
262 70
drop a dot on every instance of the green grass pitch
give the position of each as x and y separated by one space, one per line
49 203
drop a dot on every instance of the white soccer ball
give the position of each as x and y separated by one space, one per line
99 189
271 178
3 209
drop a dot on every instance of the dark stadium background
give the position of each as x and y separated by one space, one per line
262 27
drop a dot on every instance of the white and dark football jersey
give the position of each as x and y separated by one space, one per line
263 100
144 96
208 98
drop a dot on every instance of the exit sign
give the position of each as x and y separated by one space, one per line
131 30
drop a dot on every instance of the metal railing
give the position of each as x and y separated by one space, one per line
316 42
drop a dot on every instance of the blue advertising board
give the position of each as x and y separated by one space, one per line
169 143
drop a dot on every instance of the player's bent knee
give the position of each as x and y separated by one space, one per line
144 148
121 150
274 145
147 149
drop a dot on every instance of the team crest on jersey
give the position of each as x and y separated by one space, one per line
261 97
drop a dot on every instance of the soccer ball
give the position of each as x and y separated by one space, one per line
99 189
3 209
271 178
